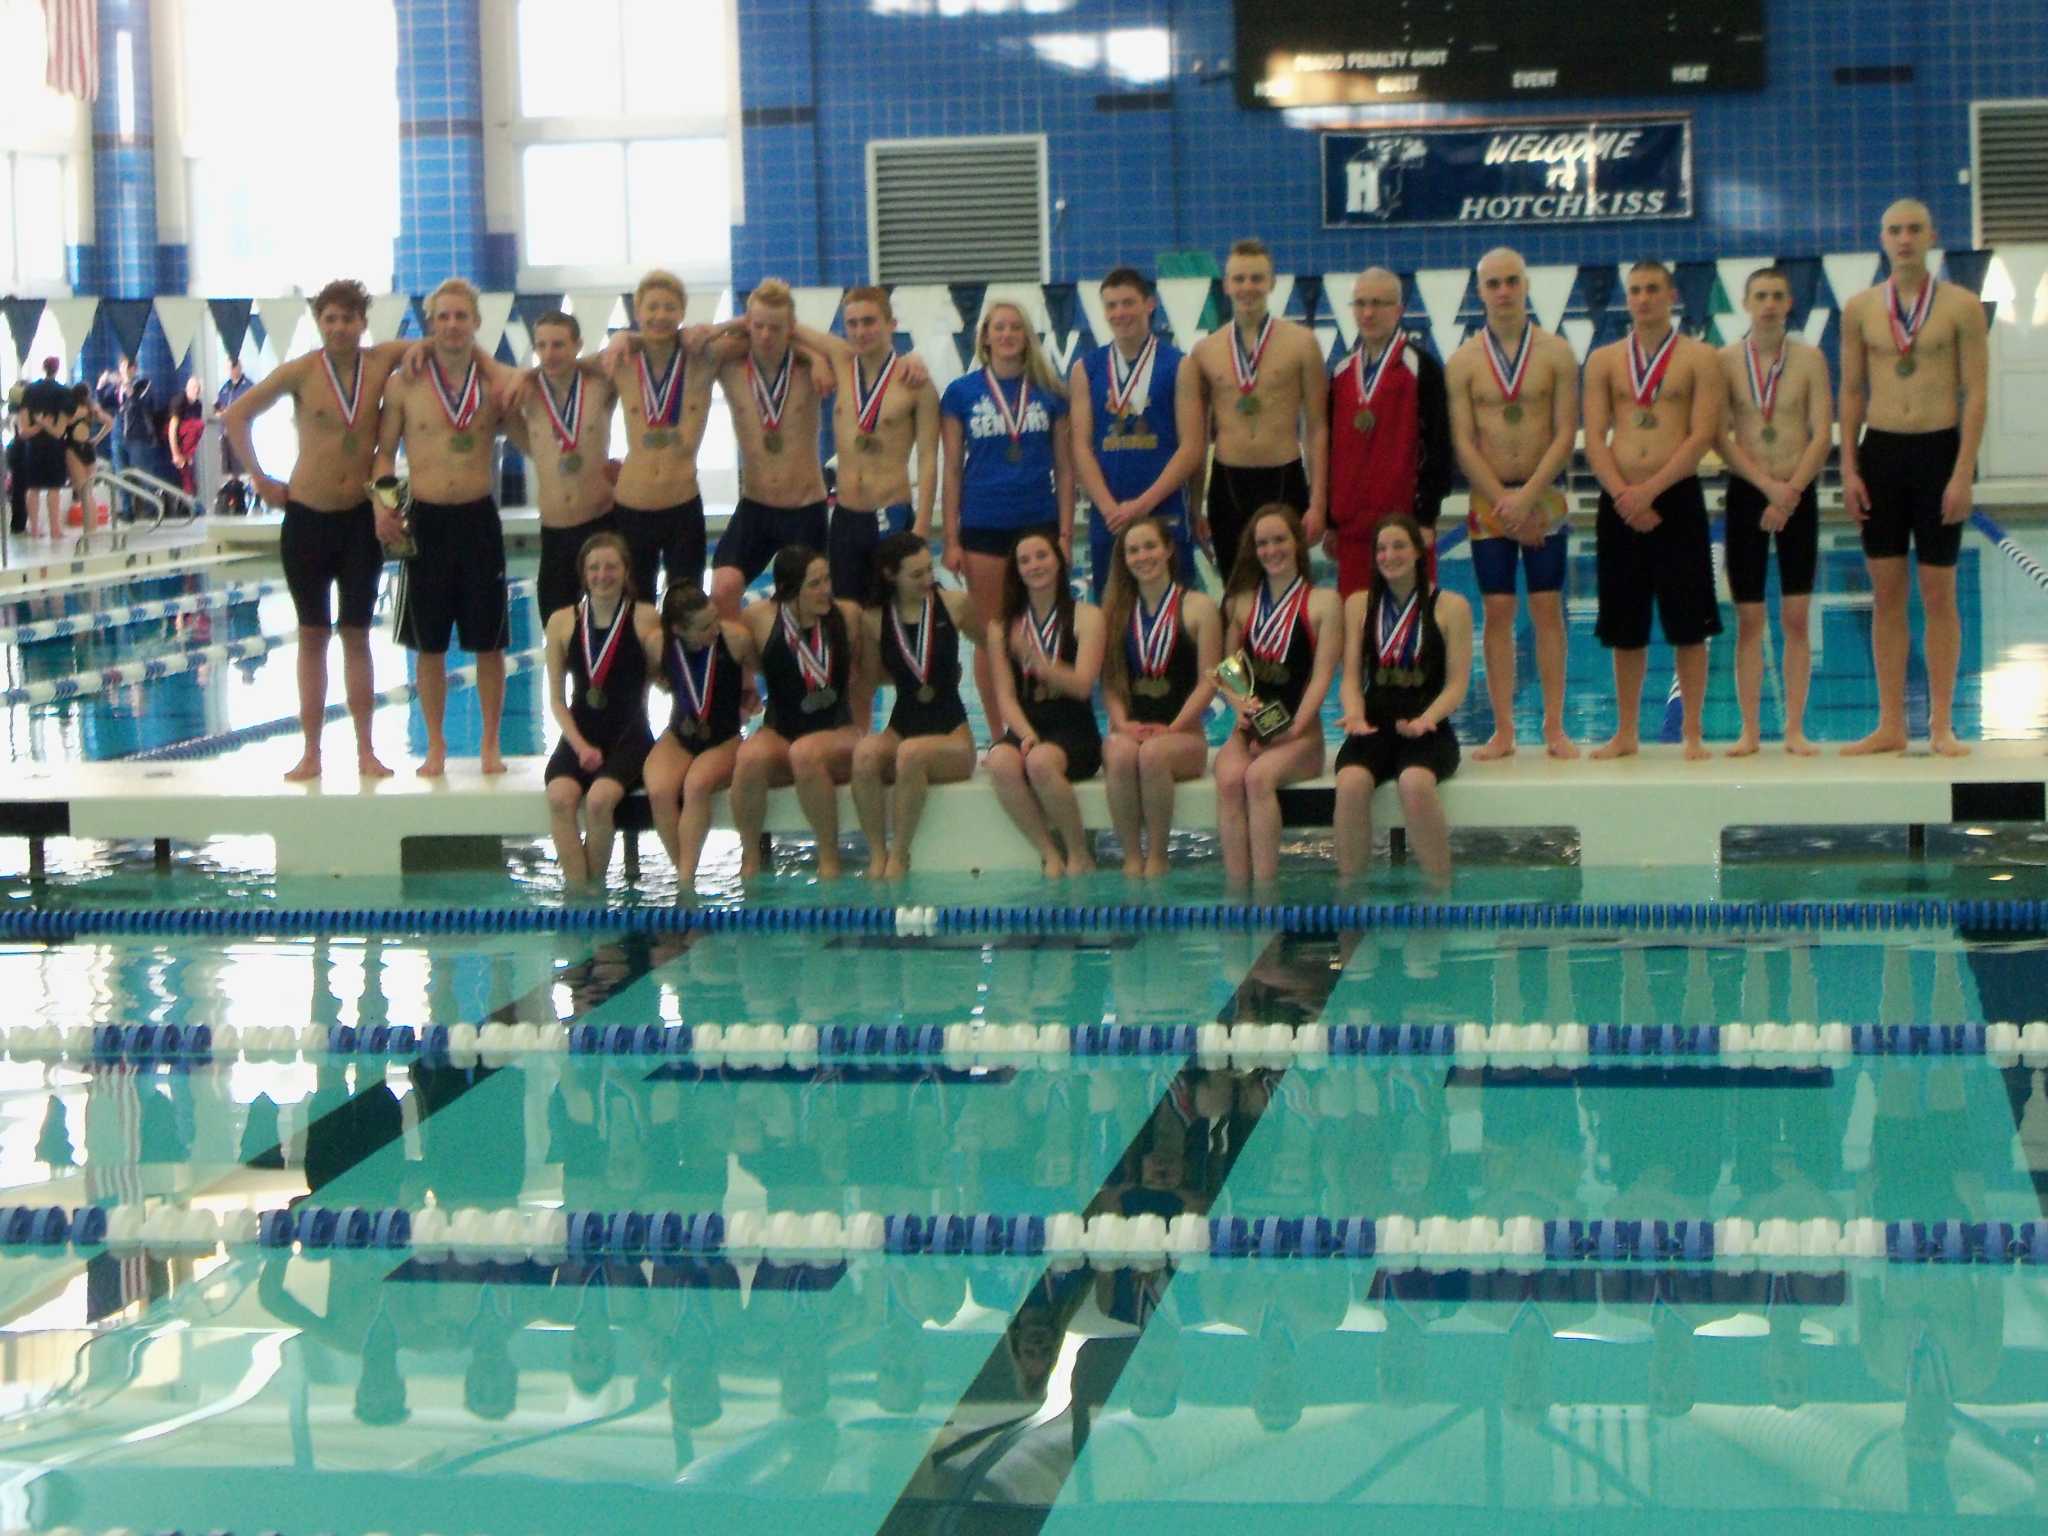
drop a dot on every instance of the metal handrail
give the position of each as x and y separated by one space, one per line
165 494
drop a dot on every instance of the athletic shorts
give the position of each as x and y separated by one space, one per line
757 533
1542 565
1669 569
42 465
1000 541
1749 547
1084 753
331 549
455 585
852 544
669 540
1236 493
1386 754
558 583
1905 473
622 764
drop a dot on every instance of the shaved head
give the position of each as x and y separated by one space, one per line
1502 258
1376 305
1376 278
1907 208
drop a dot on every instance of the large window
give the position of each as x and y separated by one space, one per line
38 128
622 140
291 128
31 223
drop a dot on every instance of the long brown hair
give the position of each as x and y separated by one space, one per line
614 542
1017 601
1121 600
1245 572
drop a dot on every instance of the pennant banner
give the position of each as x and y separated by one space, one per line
73 319
231 321
128 319
179 315
387 316
23 316
1550 290
1443 296
492 311
281 317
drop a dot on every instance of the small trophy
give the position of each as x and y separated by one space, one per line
395 495
1267 720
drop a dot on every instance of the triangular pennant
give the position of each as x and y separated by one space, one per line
1443 296
23 316
1060 309
707 306
529 307
127 319
281 317
817 307
2018 279
387 316
1849 273
1966 269
969 299
230 323
926 313
1337 290
1283 291
1088 295
492 311
1596 288
73 319
1935 258
179 315
517 343
1062 352
594 309
1184 299
1332 344
1580 334
1311 301
1695 281
1550 290
1816 326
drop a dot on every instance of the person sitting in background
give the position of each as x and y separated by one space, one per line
606 647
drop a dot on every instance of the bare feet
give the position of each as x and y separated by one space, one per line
750 864
1499 744
899 866
1559 745
1617 745
369 766
434 764
1946 745
1155 866
1746 745
878 868
1080 862
829 867
1797 744
1134 866
1883 739
304 770
1051 865
492 760
1696 752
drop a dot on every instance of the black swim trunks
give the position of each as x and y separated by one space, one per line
455 585
1749 547
1670 568
322 550
669 541
758 532
1905 474
1236 492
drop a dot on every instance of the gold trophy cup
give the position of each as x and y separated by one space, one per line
394 494
1267 720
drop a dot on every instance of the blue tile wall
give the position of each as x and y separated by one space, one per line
124 168
1804 166
440 145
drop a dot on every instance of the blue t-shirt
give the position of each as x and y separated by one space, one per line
1131 460
994 493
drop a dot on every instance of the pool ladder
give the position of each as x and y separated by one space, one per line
168 501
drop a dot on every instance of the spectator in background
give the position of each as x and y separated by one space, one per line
187 425
45 405
137 426
234 488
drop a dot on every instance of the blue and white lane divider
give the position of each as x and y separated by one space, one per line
98 619
1397 1241
771 1046
81 685
1845 917
2036 572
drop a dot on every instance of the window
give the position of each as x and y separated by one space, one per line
31 223
324 196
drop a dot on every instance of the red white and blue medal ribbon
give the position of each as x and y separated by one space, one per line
1045 633
1368 377
1763 385
813 655
567 420
599 660
917 654
1401 634
1246 365
1509 376
1130 386
1906 326
771 399
662 404
1012 422
1273 619
350 404
697 690
868 398
1154 634
461 408
1646 376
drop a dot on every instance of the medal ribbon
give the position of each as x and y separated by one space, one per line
698 693
1154 636
662 404
1369 378
1045 633
1273 621
568 423
352 402
1013 423
600 661
1246 367
1132 383
1401 638
918 655
459 409
868 400
1763 387
1906 327
1646 378
813 656
1509 376
771 399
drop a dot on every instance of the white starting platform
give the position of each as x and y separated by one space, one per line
1651 810
259 533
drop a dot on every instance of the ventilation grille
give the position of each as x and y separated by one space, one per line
957 210
2011 173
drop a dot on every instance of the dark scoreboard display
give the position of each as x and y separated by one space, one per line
1317 53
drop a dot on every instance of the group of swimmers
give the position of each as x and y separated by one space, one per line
1293 455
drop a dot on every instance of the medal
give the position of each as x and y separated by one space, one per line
1044 634
1770 434
661 404
1245 365
1400 634
1153 635
1646 375
597 660
813 655
916 648
1012 422
1368 380
817 699
348 442
695 688
1129 389
1272 627
350 404
461 408
867 442
926 694
1510 376
566 419
690 730
1906 326
770 400
867 401
1763 383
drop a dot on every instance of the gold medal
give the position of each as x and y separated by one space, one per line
594 696
772 440
1646 418
1014 453
1363 421
867 442
462 442
571 462
1770 434
926 694
348 442
1248 405
1512 413
1904 366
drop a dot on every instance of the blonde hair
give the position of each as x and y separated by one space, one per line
1036 364
463 286
660 278
772 293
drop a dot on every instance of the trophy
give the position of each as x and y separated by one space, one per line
1267 720
395 495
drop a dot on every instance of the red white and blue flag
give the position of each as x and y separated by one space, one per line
72 63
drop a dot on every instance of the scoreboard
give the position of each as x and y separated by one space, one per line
1315 53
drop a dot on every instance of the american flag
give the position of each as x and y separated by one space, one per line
73 28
